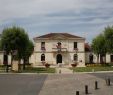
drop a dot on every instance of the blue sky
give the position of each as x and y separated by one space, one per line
86 18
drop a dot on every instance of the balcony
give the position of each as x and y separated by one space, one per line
75 49
59 49
43 49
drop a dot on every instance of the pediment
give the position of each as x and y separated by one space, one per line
59 37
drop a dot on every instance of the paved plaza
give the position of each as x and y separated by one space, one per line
54 84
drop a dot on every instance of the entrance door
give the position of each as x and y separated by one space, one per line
59 58
111 58
5 60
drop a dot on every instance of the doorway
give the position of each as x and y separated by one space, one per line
111 58
59 58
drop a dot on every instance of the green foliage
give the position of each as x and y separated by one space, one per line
29 50
103 43
0 46
92 69
99 45
39 70
108 32
14 38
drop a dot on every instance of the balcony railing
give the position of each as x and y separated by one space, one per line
59 49
43 48
75 49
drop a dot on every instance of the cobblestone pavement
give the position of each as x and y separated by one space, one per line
54 84
68 84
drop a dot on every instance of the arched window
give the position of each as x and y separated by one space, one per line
75 57
43 57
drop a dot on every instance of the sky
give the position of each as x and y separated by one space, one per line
86 18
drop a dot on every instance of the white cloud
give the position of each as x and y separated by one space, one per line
48 15
22 8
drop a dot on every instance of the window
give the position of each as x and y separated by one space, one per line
42 45
43 57
58 45
75 57
75 45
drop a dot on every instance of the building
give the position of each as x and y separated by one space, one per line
90 57
61 48
58 48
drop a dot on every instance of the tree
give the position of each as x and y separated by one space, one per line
108 32
99 46
14 38
28 52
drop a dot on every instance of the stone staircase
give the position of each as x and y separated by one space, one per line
64 71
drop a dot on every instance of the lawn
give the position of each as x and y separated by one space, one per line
2 67
91 69
39 70
31 70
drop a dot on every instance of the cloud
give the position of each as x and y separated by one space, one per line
43 16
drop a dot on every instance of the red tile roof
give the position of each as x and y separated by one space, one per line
87 47
55 34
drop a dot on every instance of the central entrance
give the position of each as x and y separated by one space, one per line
59 58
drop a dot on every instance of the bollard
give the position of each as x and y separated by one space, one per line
86 89
77 92
109 82
59 71
96 85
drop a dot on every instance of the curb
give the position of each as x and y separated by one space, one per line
55 73
93 72
27 73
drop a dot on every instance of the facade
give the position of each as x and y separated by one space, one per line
3 58
90 57
61 48
58 48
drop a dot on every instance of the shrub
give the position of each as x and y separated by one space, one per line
74 64
47 65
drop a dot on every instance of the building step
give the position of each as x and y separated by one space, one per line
64 71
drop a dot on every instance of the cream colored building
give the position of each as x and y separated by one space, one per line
58 48
89 53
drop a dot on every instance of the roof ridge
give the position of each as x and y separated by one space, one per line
49 35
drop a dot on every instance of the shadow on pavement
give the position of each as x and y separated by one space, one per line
103 75
12 84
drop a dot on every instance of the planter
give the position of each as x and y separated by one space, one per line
74 65
47 65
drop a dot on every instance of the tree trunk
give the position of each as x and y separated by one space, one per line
98 58
11 61
24 64
19 65
28 61
105 58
